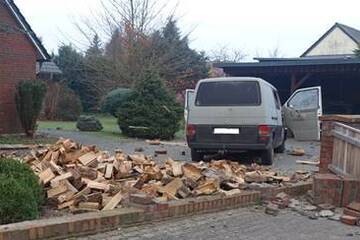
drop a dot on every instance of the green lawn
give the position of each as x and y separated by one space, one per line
20 139
111 128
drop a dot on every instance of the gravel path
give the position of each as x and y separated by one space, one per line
180 151
247 223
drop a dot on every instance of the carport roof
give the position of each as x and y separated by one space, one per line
291 65
270 62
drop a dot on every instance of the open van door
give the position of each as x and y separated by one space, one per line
189 100
302 112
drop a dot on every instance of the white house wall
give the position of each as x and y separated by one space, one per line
336 42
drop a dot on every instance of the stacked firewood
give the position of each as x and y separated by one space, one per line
83 178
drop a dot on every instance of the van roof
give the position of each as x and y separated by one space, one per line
232 79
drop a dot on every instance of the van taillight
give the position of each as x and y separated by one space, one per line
264 131
190 130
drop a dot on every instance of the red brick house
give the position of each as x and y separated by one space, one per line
20 53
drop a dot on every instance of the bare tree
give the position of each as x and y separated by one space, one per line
124 27
275 52
225 54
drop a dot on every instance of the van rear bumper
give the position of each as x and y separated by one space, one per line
229 147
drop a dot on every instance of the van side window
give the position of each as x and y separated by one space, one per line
277 99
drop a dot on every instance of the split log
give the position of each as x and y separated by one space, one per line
62 188
89 205
255 176
60 178
297 152
113 202
66 204
82 193
207 188
308 163
153 142
109 171
88 158
171 188
176 167
46 176
191 171
67 196
96 185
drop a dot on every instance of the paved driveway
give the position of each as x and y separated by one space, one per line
246 223
249 223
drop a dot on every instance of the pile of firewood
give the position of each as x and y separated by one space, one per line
83 178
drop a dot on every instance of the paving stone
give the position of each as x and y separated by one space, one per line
335 217
309 208
272 209
242 224
312 215
326 206
326 213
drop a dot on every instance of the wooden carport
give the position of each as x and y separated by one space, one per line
339 78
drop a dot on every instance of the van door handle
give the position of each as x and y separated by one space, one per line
274 118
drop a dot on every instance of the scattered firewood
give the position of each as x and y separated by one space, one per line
171 188
46 176
297 152
113 202
207 188
255 176
83 192
97 185
88 158
62 177
176 167
191 171
184 192
231 192
56 191
85 179
67 196
66 204
95 197
89 205
308 163
109 171
161 151
153 142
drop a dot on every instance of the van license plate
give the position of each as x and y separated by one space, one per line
226 131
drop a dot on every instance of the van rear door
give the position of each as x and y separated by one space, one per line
227 112
302 112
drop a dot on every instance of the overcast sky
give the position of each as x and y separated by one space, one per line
256 26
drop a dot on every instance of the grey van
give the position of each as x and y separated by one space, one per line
234 114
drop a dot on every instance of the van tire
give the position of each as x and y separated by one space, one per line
267 156
196 156
281 148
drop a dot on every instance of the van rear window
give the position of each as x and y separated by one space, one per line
245 93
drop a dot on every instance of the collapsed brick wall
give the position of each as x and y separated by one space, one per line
327 144
328 187
17 63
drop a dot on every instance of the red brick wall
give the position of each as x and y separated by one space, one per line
17 63
327 144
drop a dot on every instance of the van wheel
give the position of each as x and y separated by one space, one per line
267 156
196 156
281 148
